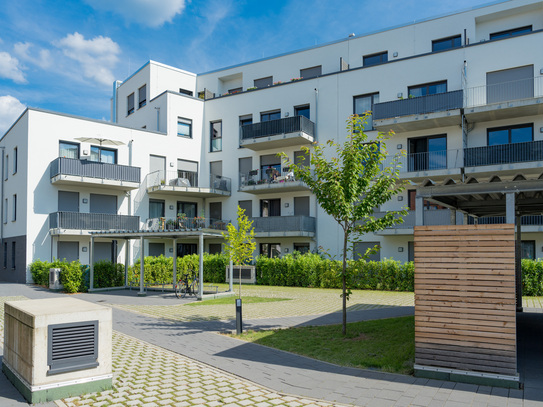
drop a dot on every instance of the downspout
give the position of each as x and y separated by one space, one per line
316 139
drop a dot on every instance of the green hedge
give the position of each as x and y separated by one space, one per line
532 277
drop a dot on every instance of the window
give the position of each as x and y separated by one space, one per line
156 208
510 84
270 207
216 136
187 173
301 247
215 248
156 249
412 202
510 33
375 59
527 249
68 150
446 43
302 111
427 153
311 72
13 254
184 127
360 248
245 120
270 167
6 167
14 209
215 210
186 92
247 206
521 133
103 155
235 90
5 254
5 210
270 250
266 117
363 104
188 208
184 249
15 159
263 82
142 96
428 89
130 104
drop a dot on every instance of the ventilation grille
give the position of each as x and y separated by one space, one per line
72 346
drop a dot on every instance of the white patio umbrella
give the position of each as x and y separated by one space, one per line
101 141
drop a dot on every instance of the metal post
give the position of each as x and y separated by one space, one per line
231 275
239 319
510 208
126 260
91 255
453 216
174 262
201 271
142 267
419 211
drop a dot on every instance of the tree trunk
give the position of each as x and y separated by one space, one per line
344 282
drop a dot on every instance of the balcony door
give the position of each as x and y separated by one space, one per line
157 168
68 201
270 167
103 204
270 207
427 153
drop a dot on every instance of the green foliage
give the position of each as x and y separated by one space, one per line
71 276
532 277
240 243
108 274
40 272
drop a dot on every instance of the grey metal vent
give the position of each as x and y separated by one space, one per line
72 346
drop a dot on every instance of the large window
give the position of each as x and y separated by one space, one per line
302 111
510 33
156 208
427 153
266 117
263 82
521 133
184 127
142 96
270 207
446 43
188 208
428 89
527 249
363 104
375 59
216 136
68 150
103 155
130 104
312 72
270 249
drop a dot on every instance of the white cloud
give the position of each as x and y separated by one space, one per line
10 69
43 59
97 56
151 13
10 110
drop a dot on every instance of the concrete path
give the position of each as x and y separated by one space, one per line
285 372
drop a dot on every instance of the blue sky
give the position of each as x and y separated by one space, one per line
64 55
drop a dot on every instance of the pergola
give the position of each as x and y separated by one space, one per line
142 235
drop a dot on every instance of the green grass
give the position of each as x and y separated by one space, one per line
232 300
385 344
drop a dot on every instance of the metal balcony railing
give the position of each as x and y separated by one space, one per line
434 160
419 105
93 169
503 154
267 176
284 224
92 221
432 217
504 92
527 220
279 126
187 179
181 224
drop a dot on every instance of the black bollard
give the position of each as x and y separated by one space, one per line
239 321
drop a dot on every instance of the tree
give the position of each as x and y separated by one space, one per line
351 185
240 243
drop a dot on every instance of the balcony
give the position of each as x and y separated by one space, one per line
70 171
259 182
433 164
185 183
284 226
184 224
277 134
77 223
431 217
419 113
506 100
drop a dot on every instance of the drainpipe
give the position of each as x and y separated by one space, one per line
316 113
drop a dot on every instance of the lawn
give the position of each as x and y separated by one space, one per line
385 344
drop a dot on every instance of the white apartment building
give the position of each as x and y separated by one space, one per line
462 92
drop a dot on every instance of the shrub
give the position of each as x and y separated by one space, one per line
532 277
108 274
71 275
40 272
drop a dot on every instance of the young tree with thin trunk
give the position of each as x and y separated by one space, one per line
351 185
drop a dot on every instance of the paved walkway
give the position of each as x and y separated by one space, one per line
287 373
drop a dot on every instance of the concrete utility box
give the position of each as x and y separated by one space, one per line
58 347
54 280
248 274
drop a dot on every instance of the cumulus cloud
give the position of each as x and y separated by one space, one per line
97 56
42 58
10 110
10 69
151 13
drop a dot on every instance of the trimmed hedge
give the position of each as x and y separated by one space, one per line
532 277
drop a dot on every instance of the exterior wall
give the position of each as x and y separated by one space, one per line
8 272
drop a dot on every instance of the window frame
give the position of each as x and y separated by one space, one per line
69 143
369 125
186 92
512 32
427 86
268 113
100 149
130 98
509 128
303 107
13 254
309 70
445 40
268 79
14 208
366 58
187 122
212 137
15 159
142 102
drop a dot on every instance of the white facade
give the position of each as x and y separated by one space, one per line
157 102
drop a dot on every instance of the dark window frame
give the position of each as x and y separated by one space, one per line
512 32
267 79
13 254
367 59
100 149
450 40
130 104
269 113
161 201
369 125
14 209
509 128
15 159
186 92
187 122
427 86
5 260
297 110
70 143
309 70
213 137
142 101
269 249
525 243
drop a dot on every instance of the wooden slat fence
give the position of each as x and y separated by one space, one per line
465 309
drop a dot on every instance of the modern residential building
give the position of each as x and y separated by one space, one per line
462 92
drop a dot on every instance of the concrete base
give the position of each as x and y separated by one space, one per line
42 394
462 376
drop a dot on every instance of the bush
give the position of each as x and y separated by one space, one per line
108 274
71 275
532 277
40 272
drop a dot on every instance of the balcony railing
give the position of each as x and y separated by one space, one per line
187 179
268 176
93 169
419 105
279 126
527 220
432 217
92 221
504 92
284 224
431 161
503 154
183 224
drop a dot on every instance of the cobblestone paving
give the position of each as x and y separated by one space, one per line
302 301
532 302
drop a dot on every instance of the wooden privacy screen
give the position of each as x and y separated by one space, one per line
465 310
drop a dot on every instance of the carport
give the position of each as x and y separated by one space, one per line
468 279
